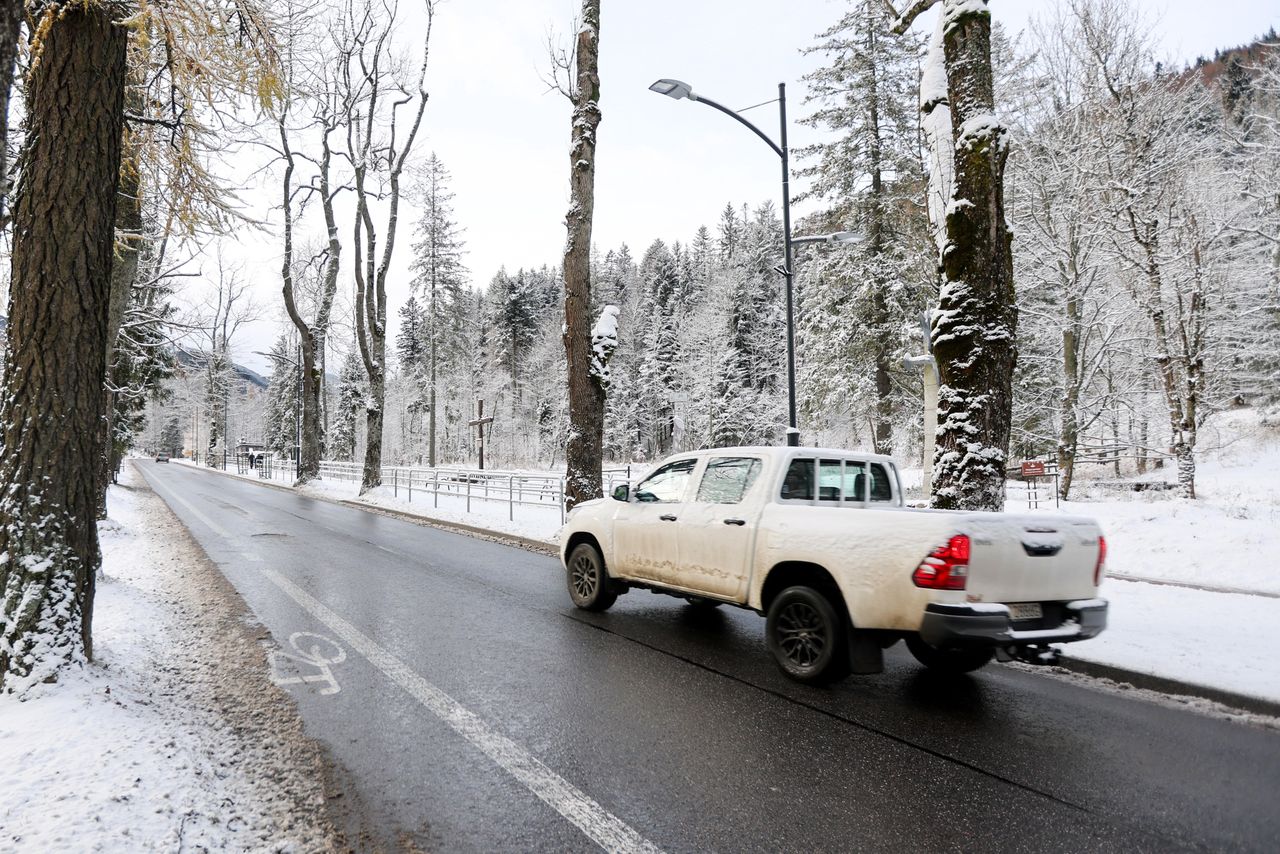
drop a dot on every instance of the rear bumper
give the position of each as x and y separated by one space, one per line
989 625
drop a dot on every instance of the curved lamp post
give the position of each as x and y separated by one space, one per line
679 90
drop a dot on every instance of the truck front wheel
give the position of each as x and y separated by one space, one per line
589 585
949 659
807 636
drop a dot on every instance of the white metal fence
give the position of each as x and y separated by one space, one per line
472 487
462 488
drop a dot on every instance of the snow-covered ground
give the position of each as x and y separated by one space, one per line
173 739
1220 540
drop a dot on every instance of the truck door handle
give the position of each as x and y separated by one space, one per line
667 517
735 521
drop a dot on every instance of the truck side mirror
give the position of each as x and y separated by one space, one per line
622 493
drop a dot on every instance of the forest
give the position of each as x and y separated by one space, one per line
1144 206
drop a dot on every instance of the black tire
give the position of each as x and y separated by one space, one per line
953 660
589 584
702 602
808 636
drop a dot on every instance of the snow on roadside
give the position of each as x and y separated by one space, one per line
142 750
535 523
1220 539
1220 640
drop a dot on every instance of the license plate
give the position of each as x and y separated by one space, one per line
1025 611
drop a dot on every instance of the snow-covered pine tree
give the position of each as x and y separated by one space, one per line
867 175
440 277
280 420
342 436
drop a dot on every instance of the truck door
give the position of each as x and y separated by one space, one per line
644 530
717 529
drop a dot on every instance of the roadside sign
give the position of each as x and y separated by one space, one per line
1032 468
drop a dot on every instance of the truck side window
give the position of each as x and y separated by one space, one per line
881 490
667 484
829 482
727 479
798 484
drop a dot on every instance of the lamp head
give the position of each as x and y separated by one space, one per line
673 89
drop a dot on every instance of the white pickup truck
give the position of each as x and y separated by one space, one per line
820 542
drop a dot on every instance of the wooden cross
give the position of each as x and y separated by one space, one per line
478 422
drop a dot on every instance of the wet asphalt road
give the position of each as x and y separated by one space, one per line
674 722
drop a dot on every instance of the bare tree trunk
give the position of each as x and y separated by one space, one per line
584 453
369 77
311 335
1069 440
57 337
431 417
884 333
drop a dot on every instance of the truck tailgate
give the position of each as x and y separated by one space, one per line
1031 558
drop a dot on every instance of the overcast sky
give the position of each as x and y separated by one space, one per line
664 167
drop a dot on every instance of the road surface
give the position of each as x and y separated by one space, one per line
471 708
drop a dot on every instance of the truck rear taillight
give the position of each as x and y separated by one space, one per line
946 567
1102 560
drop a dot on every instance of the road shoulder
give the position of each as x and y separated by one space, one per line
174 737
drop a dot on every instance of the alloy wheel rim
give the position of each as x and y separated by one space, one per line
801 634
585 577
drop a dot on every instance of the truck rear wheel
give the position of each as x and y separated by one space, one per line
949 659
589 585
807 636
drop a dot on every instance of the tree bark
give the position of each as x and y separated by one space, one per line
64 220
1069 441
584 452
975 327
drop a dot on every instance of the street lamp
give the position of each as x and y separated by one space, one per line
679 90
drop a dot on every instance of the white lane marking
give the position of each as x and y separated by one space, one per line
310 650
214 526
602 827
250 556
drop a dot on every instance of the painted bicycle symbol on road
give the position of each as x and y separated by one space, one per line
310 662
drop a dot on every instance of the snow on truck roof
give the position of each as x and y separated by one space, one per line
783 452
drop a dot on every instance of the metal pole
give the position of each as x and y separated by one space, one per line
793 431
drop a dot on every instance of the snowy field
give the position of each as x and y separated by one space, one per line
172 740
1221 538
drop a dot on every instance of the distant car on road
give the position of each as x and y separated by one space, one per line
820 542
162 458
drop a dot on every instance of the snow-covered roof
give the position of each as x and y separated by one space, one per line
782 452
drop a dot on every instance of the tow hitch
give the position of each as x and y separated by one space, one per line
1029 654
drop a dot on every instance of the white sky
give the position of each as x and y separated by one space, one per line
664 167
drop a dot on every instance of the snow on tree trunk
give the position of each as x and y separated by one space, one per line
975 325
583 451
52 404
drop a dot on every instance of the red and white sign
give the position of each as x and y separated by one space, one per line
1032 468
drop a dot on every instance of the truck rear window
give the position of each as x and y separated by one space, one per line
837 481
